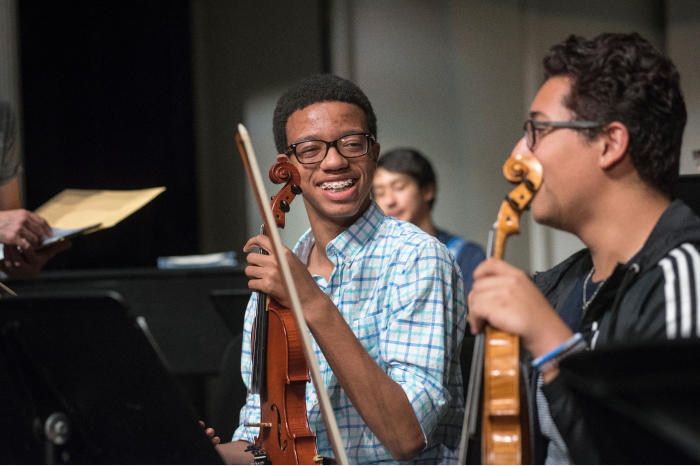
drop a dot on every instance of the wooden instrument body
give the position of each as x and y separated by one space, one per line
288 439
505 433
290 361
505 423
505 438
279 362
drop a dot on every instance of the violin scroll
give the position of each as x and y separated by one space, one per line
284 172
526 170
523 167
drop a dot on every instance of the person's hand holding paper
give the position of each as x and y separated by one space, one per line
33 239
22 234
22 228
23 264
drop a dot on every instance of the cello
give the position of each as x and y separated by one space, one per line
496 359
283 358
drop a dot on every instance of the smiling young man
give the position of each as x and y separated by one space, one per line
382 299
607 127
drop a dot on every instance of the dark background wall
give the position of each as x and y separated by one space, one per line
138 94
107 94
245 54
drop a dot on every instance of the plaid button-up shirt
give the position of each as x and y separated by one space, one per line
401 292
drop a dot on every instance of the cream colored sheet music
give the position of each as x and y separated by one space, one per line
79 208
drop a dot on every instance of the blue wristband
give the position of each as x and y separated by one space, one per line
573 345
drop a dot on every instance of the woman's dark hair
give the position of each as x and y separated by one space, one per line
621 77
412 163
312 90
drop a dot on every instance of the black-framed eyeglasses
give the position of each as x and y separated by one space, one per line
531 127
350 146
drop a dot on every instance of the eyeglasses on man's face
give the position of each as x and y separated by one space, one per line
531 127
350 146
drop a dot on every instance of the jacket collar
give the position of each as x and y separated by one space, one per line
677 225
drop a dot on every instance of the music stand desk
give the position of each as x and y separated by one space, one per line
80 362
640 400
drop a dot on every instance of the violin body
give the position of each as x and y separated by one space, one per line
282 354
279 364
505 423
285 435
505 438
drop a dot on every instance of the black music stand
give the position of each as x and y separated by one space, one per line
82 382
231 304
642 401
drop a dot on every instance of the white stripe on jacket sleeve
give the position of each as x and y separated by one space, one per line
695 259
680 286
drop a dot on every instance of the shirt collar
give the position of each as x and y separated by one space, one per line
349 243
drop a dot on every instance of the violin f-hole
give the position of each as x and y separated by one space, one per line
279 429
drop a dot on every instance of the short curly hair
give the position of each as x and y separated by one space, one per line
314 89
622 77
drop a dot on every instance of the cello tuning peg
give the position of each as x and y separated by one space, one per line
284 206
296 190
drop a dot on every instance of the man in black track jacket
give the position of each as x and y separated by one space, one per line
607 127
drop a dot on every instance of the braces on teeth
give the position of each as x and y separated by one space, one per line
337 185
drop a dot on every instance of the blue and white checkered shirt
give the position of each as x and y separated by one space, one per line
401 292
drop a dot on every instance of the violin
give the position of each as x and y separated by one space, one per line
280 372
283 359
496 360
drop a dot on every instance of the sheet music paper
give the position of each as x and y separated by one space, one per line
75 209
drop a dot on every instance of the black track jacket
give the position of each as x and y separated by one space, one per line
654 296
